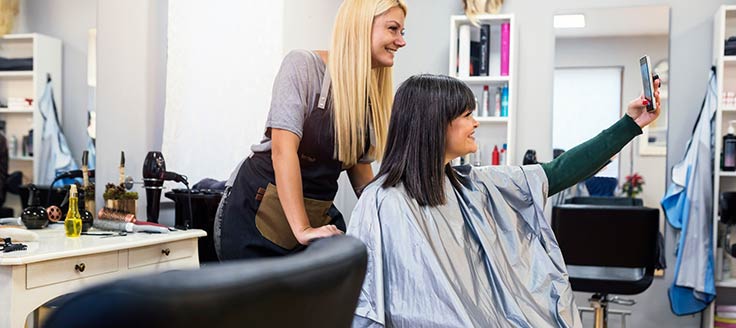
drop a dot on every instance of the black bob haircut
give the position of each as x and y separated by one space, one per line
424 106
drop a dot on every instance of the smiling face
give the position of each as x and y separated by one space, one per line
460 139
387 36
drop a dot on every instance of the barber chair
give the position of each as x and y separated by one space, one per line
315 288
601 186
607 250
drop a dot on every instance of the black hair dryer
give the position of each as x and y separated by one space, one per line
154 175
154 168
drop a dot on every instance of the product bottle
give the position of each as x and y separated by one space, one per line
73 221
502 156
495 156
497 106
505 102
485 102
13 146
477 156
476 112
505 155
84 215
729 149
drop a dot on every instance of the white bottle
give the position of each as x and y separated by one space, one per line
485 102
497 109
13 146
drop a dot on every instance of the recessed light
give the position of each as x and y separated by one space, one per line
570 21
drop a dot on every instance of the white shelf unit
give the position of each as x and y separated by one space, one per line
724 26
47 61
492 130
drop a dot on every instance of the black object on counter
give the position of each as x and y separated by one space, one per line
84 214
204 207
56 197
153 168
34 215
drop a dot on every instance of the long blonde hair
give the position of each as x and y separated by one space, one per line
8 12
355 83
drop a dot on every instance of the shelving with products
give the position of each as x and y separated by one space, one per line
724 178
20 88
484 57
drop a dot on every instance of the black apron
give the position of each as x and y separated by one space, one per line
251 222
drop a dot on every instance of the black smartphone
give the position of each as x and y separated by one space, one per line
647 80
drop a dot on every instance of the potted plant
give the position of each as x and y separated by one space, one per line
633 185
117 198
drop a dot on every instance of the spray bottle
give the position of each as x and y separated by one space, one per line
729 149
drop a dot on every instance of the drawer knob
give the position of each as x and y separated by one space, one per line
166 251
79 267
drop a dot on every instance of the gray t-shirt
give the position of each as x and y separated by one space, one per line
294 96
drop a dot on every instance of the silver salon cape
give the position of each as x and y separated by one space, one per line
487 258
55 156
688 207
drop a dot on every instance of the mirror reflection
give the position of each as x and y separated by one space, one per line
596 74
47 94
597 69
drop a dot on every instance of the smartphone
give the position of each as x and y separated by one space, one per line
647 80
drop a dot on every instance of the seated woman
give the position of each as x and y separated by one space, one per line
465 246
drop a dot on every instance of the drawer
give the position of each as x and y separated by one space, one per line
70 268
159 253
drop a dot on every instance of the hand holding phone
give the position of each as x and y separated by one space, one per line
647 79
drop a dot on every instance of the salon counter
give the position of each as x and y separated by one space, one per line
56 265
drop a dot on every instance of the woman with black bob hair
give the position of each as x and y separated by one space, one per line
467 246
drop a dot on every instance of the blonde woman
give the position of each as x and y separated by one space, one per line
329 113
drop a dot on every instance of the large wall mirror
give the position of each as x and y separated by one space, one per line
61 39
596 74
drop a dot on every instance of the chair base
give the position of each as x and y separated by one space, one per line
599 307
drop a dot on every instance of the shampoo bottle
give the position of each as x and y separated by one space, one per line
729 148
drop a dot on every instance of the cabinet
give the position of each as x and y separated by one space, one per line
30 84
493 130
724 27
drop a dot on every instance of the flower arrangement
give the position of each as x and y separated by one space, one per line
633 185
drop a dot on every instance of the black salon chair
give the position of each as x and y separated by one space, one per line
607 250
316 288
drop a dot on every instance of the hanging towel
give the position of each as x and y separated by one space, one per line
688 206
55 156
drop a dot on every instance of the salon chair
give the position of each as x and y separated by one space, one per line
601 186
315 288
607 250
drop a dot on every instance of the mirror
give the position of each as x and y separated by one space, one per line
596 75
60 37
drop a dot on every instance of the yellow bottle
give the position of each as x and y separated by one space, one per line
73 221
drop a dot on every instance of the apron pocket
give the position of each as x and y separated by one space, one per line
271 220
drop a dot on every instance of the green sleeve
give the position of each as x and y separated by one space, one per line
587 158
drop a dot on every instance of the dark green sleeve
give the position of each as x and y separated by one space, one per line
587 158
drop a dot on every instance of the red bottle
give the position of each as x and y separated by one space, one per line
494 160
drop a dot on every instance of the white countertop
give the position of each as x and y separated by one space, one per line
53 244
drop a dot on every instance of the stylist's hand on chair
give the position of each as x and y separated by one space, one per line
638 108
308 234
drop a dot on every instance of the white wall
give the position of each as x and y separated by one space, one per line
131 79
219 83
69 22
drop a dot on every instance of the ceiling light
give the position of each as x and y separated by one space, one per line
570 21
